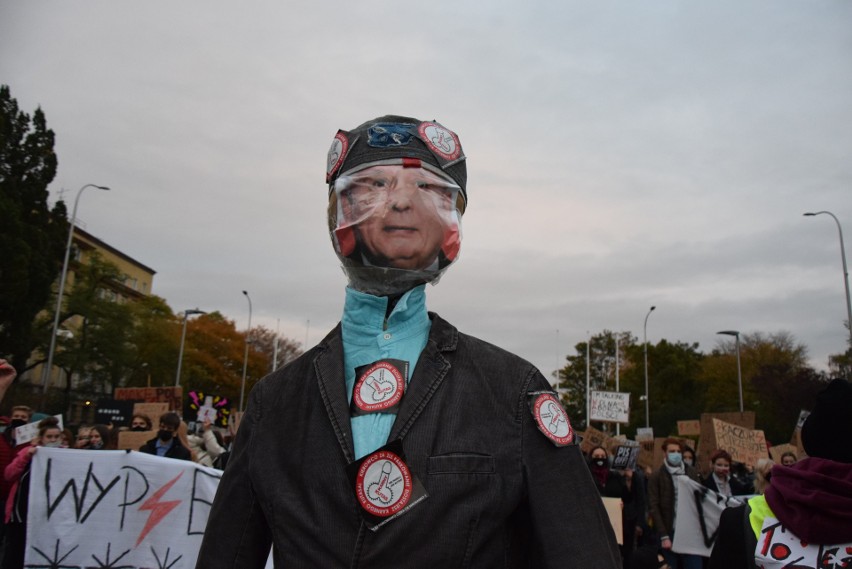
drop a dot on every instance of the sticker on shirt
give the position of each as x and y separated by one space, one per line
779 547
385 488
551 418
379 387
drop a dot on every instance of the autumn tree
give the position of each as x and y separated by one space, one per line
32 235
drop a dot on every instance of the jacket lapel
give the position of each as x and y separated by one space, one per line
432 367
329 369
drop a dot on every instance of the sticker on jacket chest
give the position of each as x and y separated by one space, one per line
779 547
384 485
551 418
379 387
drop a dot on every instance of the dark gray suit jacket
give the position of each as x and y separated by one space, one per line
500 494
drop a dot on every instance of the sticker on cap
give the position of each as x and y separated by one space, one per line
389 134
379 387
551 418
384 485
336 154
440 140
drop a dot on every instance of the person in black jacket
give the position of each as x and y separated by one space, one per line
167 443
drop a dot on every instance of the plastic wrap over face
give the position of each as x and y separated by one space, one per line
394 227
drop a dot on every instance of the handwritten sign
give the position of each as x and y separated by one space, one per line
592 438
625 456
151 410
609 406
26 433
744 445
689 428
778 450
645 434
170 395
132 440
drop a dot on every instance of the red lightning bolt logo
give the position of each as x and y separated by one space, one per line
159 510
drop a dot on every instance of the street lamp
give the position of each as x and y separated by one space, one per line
186 315
736 336
645 341
845 271
245 357
45 374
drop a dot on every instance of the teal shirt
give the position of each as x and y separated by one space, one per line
368 337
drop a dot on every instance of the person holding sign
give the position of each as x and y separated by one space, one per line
399 441
804 517
720 480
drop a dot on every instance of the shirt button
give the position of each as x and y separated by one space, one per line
387 336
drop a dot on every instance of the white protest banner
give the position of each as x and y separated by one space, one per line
26 433
116 509
609 406
697 516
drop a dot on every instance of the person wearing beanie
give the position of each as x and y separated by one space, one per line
805 514
399 441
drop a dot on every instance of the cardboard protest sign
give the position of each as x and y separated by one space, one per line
697 518
744 445
133 440
625 456
645 434
26 433
609 406
114 412
776 451
613 509
151 410
170 395
689 428
592 438
707 442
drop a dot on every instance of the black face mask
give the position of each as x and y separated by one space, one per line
165 436
138 428
599 462
15 423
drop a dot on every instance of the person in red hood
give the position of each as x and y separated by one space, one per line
804 519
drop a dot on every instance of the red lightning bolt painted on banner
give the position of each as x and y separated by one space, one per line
159 510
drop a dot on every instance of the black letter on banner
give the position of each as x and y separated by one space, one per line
195 499
124 504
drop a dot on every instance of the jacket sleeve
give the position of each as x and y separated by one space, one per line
731 549
654 503
570 527
238 535
212 445
15 469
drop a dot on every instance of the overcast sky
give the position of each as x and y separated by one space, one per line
620 154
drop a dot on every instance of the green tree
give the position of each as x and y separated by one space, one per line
32 236
156 336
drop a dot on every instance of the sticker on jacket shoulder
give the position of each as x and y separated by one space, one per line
379 387
385 487
551 418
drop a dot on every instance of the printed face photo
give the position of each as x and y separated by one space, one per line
400 215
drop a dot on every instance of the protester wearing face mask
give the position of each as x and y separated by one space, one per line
100 438
688 456
662 501
18 474
167 443
140 422
613 484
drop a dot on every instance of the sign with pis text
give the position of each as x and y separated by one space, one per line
744 445
625 456
609 406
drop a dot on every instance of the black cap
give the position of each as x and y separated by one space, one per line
827 432
393 139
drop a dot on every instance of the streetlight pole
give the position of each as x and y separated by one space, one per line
186 315
736 335
645 342
845 271
45 374
245 357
